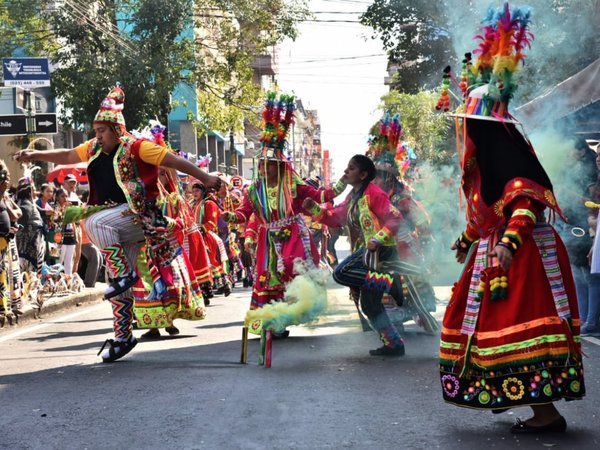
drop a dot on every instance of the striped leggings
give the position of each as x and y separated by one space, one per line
111 229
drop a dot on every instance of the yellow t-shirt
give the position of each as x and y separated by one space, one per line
149 153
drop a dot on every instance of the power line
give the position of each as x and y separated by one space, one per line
341 58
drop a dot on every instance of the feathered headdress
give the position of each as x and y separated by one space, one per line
277 117
384 144
489 83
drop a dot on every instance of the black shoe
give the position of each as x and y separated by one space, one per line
120 285
152 333
117 349
173 331
558 426
388 351
206 301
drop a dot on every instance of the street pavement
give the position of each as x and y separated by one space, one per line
323 390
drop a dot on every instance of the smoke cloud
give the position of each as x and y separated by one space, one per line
305 300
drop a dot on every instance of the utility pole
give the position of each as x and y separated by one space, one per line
231 153
30 107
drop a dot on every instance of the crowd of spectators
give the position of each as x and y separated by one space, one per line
39 256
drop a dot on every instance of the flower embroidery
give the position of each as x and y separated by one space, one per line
450 385
282 234
499 208
513 388
484 397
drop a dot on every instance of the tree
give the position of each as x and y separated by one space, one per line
236 32
416 36
23 30
132 42
424 37
150 46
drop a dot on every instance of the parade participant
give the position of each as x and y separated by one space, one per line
224 200
373 223
275 197
174 205
123 213
510 333
206 213
159 313
392 159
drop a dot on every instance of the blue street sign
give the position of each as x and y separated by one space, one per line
26 72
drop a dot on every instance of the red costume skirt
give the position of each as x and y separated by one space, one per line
523 349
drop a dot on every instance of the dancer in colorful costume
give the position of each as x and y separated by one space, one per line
275 198
392 159
510 334
122 213
206 213
373 267
158 313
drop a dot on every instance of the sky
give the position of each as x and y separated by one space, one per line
345 92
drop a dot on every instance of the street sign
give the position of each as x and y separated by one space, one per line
237 181
26 72
13 125
46 123
20 124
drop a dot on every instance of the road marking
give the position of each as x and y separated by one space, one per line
591 339
33 328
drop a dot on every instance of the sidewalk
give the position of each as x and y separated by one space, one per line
57 304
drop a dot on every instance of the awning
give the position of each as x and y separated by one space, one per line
567 97
240 148
216 135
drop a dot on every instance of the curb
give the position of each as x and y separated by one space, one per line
56 305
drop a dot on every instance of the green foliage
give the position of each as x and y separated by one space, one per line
134 43
149 47
427 131
236 32
23 28
416 36
424 37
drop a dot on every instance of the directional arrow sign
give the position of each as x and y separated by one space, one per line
46 124
13 125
